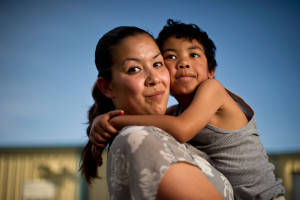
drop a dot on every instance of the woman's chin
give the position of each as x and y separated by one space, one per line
159 111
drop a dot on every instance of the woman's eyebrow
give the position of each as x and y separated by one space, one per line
138 60
134 59
158 54
131 59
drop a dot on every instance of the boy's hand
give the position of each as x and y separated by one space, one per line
101 130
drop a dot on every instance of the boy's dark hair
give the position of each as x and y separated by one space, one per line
190 32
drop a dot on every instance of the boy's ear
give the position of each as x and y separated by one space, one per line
104 87
211 73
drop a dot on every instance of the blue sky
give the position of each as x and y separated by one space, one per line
47 62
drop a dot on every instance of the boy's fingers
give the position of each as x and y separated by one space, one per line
111 130
99 132
115 113
101 122
99 141
106 126
106 135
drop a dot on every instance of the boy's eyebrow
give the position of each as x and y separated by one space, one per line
169 49
195 47
189 48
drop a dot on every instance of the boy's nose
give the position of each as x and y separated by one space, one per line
183 66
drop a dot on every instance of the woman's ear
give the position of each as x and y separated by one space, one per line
211 73
104 87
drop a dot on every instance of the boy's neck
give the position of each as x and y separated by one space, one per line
184 100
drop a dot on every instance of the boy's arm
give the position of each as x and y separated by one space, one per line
207 101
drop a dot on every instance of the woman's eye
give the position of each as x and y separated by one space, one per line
194 55
133 70
157 64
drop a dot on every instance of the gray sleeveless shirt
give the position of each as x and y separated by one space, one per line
240 156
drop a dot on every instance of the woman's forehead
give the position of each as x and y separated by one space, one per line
137 47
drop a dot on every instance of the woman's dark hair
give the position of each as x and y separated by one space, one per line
104 58
190 32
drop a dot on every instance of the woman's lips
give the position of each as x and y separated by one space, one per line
156 95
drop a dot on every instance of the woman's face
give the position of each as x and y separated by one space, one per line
140 80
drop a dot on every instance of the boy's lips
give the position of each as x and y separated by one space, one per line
184 74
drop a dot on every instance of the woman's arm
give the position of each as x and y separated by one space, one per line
207 101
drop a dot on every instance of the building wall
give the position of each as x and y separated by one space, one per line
287 167
39 173
98 189
26 171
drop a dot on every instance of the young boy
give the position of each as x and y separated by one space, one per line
210 117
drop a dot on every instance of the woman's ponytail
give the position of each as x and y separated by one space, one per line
88 165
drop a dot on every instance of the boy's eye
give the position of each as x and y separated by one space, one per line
157 64
133 70
170 57
194 55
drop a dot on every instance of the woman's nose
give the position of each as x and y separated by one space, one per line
152 78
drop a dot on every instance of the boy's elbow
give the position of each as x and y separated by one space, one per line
181 135
181 139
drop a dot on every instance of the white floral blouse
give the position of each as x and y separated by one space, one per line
139 157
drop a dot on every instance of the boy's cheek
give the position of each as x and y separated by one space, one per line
169 65
171 70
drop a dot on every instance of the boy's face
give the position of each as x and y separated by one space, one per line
187 65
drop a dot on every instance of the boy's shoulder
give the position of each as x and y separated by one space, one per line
211 83
211 88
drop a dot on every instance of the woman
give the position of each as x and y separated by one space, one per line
144 162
